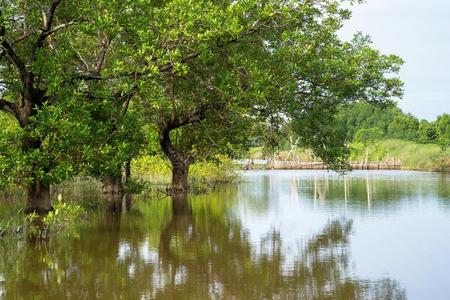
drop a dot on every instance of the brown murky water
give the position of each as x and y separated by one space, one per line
275 235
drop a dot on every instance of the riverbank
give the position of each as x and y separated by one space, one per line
380 155
413 156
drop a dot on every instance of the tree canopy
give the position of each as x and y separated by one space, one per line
85 81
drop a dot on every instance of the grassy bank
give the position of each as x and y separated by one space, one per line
413 156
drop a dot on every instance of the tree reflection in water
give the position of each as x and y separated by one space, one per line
212 258
194 253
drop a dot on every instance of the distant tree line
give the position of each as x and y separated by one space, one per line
364 121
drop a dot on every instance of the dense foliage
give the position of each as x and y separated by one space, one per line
88 86
391 123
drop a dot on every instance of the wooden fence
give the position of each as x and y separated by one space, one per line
301 165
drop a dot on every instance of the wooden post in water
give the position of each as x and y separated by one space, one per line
315 191
345 192
369 199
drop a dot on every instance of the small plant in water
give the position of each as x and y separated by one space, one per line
64 216
135 186
16 224
61 220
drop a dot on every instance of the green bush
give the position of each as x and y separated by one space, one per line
156 170
64 216
373 152
221 170
61 220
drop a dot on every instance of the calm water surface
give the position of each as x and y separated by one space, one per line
275 235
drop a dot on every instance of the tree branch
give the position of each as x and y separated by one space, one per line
46 31
168 67
63 26
195 115
192 116
10 53
9 107
48 19
23 37
126 104
101 57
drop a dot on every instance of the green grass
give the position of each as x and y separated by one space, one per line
412 155
417 156
157 172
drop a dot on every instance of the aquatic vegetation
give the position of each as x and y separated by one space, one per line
61 220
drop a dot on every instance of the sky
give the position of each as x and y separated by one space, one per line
419 32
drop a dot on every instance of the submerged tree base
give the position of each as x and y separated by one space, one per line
39 200
113 187
38 210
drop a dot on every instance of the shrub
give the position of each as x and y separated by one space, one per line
157 171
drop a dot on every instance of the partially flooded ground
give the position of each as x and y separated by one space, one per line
274 235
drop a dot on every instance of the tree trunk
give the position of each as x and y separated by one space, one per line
113 186
38 192
180 172
180 159
127 171
39 198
